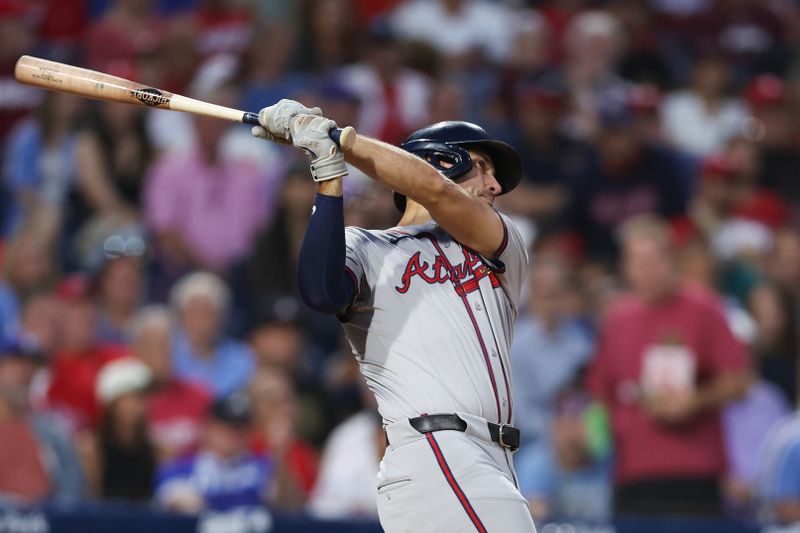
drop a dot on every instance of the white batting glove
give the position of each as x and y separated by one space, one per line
311 133
276 118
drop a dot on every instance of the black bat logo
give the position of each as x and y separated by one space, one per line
150 97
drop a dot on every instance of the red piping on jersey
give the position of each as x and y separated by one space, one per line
451 480
482 270
463 296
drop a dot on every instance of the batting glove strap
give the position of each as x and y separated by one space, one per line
330 166
312 134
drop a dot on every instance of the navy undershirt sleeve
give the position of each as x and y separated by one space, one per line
321 277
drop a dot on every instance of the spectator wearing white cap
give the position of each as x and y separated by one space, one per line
200 351
119 458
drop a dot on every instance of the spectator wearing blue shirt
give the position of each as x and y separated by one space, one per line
549 348
201 352
41 162
224 474
28 269
779 483
547 354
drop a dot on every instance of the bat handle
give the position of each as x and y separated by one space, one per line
344 137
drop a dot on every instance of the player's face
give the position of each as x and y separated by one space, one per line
480 180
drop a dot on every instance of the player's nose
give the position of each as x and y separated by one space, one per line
490 183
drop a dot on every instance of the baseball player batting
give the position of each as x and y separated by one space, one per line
428 307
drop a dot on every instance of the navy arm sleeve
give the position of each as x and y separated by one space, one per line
321 276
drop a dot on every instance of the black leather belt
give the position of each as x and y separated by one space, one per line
503 434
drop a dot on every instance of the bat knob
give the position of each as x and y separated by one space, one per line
344 137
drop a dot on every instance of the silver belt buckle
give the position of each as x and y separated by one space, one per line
503 443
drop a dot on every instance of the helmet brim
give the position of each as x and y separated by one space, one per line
506 161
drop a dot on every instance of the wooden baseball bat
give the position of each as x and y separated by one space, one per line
55 76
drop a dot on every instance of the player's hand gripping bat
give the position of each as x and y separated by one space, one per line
61 77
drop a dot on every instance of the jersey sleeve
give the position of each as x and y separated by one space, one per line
510 261
356 259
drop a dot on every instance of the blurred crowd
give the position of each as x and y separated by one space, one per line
153 349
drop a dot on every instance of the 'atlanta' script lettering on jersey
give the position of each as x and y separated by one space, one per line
441 271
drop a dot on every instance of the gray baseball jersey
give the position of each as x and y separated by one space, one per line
431 328
433 320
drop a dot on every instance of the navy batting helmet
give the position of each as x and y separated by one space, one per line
448 142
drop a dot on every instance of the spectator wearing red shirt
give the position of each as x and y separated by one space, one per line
666 362
80 357
177 409
37 458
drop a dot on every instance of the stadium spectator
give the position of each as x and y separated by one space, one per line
40 322
328 27
628 176
275 419
746 423
176 408
593 43
222 26
777 134
666 363
773 340
573 480
345 487
201 352
393 97
702 118
779 484
265 66
28 267
224 474
120 288
127 30
119 458
277 340
202 208
115 154
17 37
465 31
40 169
552 160
79 357
266 279
548 351
37 457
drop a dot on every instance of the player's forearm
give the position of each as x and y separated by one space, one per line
397 169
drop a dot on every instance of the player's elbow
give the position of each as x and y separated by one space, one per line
433 193
320 300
